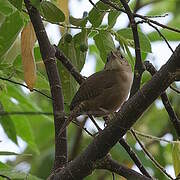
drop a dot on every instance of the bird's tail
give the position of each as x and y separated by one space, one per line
74 113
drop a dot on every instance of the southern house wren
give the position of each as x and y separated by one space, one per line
103 92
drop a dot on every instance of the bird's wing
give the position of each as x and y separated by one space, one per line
93 86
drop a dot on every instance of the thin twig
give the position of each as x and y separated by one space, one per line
93 4
174 89
157 16
134 157
160 34
140 16
94 122
14 82
25 113
77 124
154 138
3 176
150 156
77 139
68 65
139 67
113 176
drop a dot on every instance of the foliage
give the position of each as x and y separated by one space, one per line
38 131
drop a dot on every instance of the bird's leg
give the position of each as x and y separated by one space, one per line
107 119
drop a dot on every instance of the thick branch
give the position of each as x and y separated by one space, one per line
172 115
48 56
83 165
114 166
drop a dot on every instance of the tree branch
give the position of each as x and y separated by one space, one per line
14 82
173 117
83 165
134 157
69 66
77 139
160 34
48 56
114 166
111 4
25 113
139 67
150 156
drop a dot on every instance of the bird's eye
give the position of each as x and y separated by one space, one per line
122 56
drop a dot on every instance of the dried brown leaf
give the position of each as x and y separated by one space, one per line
28 39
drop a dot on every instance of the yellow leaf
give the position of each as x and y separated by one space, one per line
63 5
28 39
176 158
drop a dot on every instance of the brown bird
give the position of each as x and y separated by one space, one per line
103 92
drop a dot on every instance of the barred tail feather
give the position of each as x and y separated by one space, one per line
76 111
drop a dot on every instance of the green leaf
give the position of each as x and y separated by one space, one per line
8 153
36 4
104 43
9 31
51 12
93 50
21 122
16 3
6 8
74 52
8 125
68 83
126 33
176 158
169 35
13 174
13 52
162 7
78 21
3 166
96 15
130 55
112 17
80 40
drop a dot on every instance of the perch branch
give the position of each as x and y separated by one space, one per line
114 166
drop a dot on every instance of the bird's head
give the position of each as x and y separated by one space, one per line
116 61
